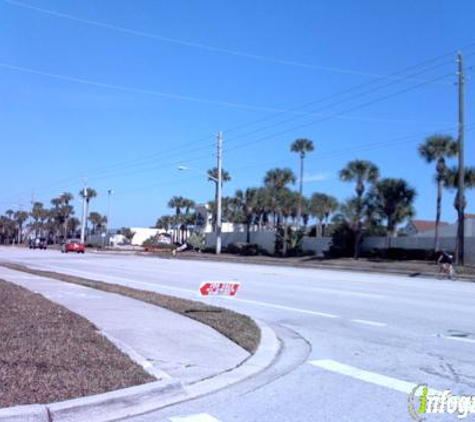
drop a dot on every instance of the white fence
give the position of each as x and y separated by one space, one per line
266 240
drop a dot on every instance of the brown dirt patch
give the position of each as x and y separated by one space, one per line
48 353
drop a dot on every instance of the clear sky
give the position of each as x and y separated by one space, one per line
124 91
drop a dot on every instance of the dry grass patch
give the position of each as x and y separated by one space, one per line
48 353
239 328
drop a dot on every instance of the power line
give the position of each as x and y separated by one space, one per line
162 38
336 114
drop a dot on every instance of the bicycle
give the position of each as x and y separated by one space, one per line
446 270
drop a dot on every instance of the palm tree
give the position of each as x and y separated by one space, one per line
67 210
451 182
213 176
87 194
393 199
177 203
275 181
39 215
301 146
361 172
20 218
321 206
98 221
187 217
438 148
246 205
164 222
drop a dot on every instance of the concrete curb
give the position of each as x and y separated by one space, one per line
148 397
268 349
102 407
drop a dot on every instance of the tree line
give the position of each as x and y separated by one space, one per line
55 223
378 207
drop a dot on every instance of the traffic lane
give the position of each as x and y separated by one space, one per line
435 317
335 282
283 313
246 272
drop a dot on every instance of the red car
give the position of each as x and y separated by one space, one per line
73 245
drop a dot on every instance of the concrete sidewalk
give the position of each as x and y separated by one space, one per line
166 344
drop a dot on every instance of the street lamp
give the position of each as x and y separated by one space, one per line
218 183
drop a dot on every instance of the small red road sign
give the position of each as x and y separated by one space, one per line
219 288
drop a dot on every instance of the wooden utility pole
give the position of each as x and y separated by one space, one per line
461 166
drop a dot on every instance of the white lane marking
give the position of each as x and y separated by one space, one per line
285 308
367 376
200 417
346 293
367 322
465 340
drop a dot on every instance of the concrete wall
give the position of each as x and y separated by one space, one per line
266 240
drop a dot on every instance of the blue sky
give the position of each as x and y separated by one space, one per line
122 92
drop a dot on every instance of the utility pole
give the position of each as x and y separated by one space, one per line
219 193
84 205
461 166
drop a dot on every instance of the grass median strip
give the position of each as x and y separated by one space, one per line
49 353
239 328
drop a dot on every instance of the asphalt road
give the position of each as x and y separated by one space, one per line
371 337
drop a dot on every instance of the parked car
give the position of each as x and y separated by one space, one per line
73 245
38 243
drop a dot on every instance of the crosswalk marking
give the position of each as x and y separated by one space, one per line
367 376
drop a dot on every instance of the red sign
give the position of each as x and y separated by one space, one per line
219 288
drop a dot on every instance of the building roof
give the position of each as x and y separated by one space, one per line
426 225
470 216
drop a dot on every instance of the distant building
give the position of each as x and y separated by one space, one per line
421 226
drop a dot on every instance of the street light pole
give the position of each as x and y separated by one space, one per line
219 193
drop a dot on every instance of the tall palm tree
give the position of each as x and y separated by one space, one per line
438 148
276 180
20 218
361 172
213 176
321 206
177 203
98 221
301 146
394 199
188 217
87 194
246 205
39 215
451 182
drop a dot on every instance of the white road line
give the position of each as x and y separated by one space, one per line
367 322
285 308
200 417
464 340
366 376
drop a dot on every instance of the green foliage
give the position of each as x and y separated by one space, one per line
246 249
197 241
343 241
293 239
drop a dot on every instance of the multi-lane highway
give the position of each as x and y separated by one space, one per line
364 340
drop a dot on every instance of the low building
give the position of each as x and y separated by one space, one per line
415 227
